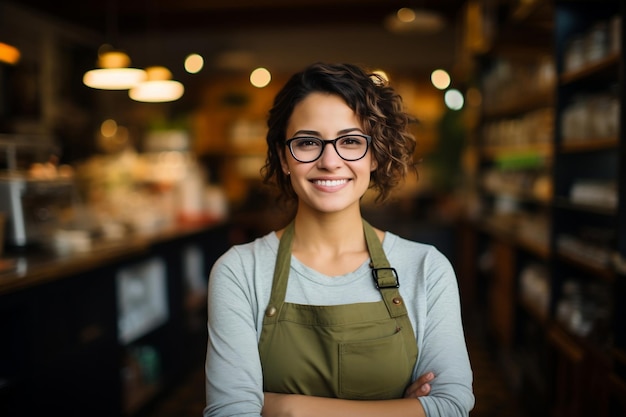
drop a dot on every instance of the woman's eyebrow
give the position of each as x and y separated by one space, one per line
349 130
317 134
307 132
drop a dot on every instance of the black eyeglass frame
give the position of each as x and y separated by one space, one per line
368 141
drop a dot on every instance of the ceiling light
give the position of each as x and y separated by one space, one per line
9 54
158 87
408 20
114 73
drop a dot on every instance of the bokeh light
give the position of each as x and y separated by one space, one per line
440 79
260 77
454 99
108 128
194 63
406 15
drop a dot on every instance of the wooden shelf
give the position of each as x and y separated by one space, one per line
608 66
543 251
509 236
519 195
565 203
522 105
498 151
589 145
601 271
562 340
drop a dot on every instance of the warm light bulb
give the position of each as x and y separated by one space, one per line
113 59
260 77
440 79
406 15
158 88
194 63
157 91
108 128
114 73
114 78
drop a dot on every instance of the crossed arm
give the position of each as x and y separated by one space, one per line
290 405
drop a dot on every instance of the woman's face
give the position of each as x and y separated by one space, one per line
329 184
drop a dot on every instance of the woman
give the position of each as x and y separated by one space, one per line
329 316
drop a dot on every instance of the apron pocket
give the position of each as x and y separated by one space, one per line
374 369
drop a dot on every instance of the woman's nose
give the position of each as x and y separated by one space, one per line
329 157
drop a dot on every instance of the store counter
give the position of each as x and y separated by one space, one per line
22 268
105 331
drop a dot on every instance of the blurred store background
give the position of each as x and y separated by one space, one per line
116 197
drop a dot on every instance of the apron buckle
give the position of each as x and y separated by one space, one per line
385 277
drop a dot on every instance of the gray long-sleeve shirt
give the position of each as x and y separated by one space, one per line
239 290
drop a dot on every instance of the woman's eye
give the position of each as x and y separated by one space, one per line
352 141
307 143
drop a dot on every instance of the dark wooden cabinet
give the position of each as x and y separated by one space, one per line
60 348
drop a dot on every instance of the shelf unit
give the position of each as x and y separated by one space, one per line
516 152
588 207
550 235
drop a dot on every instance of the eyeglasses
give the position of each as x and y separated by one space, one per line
309 148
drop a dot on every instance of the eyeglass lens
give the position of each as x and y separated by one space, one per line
308 149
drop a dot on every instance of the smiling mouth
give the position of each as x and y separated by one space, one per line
330 183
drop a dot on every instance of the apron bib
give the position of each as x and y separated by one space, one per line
352 351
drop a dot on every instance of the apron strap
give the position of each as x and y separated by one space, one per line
281 276
385 277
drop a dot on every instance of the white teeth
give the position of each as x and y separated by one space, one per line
330 183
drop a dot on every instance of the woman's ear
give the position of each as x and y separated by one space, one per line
373 164
284 166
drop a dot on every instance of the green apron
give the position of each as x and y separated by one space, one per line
353 351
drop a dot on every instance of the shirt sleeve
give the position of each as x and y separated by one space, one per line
443 349
234 382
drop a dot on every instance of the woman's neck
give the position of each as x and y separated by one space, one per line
329 231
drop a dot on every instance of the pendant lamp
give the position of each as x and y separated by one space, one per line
114 72
158 87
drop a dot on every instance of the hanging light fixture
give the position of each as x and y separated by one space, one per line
114 72
158 87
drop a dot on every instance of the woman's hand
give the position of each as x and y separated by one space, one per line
420 387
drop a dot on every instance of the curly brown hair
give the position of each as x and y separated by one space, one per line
376 104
